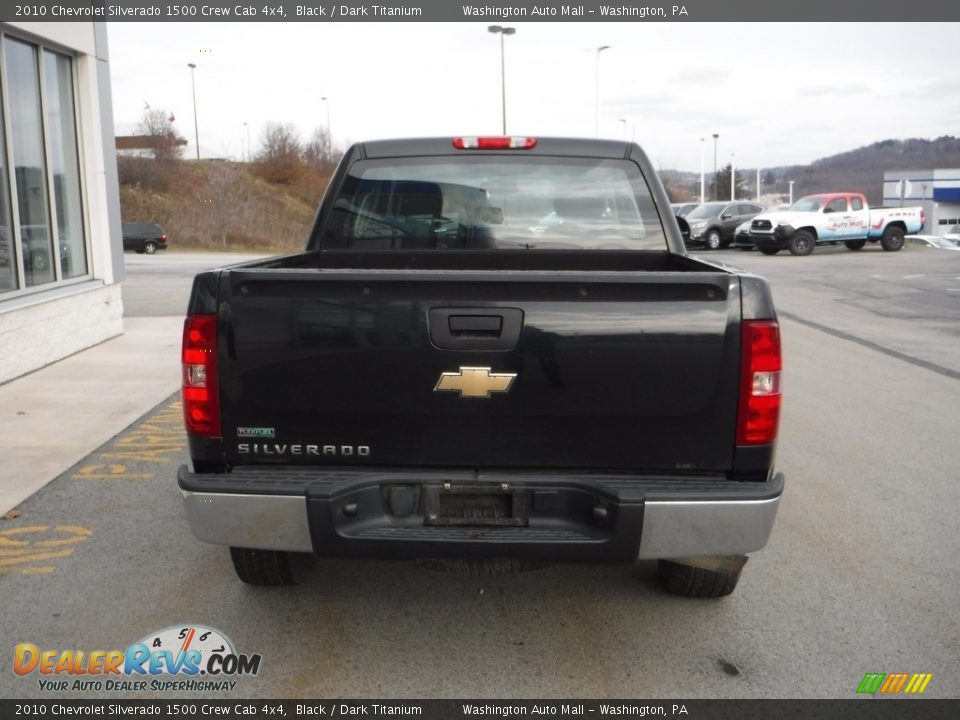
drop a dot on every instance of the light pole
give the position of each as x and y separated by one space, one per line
733 175
702 177
716 190
193 86
790 182
501 31
247 127
326 101
758 184
596 91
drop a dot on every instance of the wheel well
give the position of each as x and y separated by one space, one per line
898 224
809 229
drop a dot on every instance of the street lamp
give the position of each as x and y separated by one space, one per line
716 190
702 178
791 182
501 31
326 101
733 175
596 91
247 127
193 86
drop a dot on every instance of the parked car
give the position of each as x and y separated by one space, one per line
714 224
953 234
741 237
682 209
144 237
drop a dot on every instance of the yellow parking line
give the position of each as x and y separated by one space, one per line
35 557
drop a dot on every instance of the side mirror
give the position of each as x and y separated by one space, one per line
684 228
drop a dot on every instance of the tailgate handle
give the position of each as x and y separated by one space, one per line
476 325
475 328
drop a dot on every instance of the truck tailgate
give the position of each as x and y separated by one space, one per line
622 370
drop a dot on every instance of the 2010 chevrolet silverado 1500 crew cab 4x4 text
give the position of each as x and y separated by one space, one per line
490 349
831 218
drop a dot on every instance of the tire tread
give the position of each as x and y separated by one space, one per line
269 568
689 581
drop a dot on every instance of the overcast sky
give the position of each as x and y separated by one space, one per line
777 94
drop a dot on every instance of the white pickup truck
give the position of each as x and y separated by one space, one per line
830 218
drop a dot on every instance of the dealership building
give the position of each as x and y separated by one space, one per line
936 191
61 253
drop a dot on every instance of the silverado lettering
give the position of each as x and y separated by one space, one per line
514 323
299 449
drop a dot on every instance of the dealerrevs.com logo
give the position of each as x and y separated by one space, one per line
177 658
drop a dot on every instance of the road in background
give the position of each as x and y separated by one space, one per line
159 285
904 303
860 574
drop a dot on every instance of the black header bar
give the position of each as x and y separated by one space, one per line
236 709
491 12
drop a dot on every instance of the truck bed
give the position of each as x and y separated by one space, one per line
622 361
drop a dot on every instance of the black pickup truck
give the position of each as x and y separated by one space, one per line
492 350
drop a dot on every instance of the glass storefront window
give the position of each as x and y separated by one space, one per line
42 234
8 257
27 155
64 162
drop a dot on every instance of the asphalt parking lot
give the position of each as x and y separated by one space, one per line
860 575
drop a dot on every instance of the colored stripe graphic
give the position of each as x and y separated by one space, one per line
871 683
894 683
918 683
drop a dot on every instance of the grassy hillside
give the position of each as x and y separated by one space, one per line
218 204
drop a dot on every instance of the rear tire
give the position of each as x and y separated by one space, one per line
801 243
855 244
689 581
892 239
269 568
769 250
150 248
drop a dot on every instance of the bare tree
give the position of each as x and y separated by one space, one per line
278 157
158 125
319 153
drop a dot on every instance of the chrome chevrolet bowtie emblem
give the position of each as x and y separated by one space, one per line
475 382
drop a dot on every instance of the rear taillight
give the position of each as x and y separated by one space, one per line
923 220
201 404
760 367
494 143
164 237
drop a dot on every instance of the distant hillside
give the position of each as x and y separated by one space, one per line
859 170
219 204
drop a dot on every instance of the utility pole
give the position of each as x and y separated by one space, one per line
716 190
193 86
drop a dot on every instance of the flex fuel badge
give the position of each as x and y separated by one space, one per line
176 659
